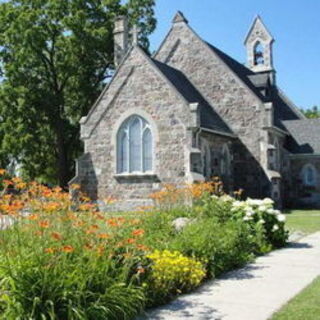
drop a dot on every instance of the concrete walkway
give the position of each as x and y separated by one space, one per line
254 292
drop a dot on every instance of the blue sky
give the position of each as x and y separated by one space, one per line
295 24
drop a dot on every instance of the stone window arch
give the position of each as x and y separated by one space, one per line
309 175
258 53
225 160
135 146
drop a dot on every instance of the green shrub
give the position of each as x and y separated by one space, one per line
58 263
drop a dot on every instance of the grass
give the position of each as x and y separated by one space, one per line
305 306
306 221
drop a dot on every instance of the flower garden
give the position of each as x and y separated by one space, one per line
67 260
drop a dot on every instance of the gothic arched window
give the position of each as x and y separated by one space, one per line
258 54
309 175
225 160
206 159
134 146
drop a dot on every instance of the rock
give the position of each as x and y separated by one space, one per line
180 223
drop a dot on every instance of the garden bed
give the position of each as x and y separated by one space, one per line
58 263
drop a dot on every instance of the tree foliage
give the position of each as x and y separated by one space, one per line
311 113
56 56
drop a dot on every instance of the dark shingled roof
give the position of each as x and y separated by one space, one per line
208 117
282 111
305 136
255 81
242 71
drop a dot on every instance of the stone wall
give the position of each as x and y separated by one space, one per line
138 88
298 193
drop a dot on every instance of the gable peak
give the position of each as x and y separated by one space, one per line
179 17
258 27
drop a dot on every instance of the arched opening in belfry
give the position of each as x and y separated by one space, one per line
258 54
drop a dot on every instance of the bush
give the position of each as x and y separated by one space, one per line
171 274
220 246
261 212
61 261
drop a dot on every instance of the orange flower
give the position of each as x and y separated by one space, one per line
2 172
138 232
49 250
47 193
56 236
51 206
112 223
44 224
103 236
7 182
67 249
131 240
33 217
142 247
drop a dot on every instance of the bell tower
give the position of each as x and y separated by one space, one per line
259 43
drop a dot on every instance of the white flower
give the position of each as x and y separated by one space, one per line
261 221
277 212
262 208
254 202
237 204
226 198
249 212
281 218
246 218
275 228
271 211
268 201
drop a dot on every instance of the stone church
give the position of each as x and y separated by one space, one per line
190 112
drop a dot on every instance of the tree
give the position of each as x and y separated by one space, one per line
56 56
311 113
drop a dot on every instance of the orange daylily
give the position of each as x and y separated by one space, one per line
67 249
49 250
138 232
103 236
56 236
33 217
44 224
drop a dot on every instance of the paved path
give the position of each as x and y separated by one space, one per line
254 292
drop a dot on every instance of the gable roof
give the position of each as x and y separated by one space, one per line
304 136
178 82
239 69
208 117
257 20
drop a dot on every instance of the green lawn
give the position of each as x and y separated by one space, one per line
306 221
305 306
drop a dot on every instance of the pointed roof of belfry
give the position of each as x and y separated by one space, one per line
257 22
179 17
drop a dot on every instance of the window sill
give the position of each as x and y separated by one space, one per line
137 177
